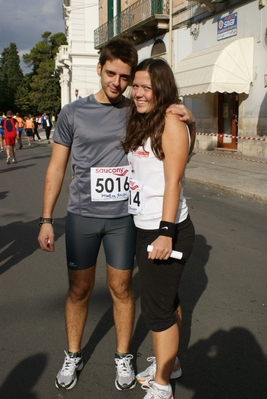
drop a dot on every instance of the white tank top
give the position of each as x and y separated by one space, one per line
147 189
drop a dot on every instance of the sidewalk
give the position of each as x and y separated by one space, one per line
233 172
240 175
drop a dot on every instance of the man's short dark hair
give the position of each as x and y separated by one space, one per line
119 49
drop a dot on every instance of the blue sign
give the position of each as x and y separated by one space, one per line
227 26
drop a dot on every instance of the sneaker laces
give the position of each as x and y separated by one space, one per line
69 365
152 368
153 391
123 366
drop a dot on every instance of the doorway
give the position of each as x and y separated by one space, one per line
228 120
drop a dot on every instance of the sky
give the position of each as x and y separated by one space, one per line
24 21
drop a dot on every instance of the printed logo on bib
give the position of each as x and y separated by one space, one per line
136 201
110 184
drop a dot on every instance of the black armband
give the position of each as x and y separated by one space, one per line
45 220
167 229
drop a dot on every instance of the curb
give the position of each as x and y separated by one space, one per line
235 191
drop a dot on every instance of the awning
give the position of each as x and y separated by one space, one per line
224 68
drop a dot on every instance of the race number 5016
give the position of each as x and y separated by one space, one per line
110 184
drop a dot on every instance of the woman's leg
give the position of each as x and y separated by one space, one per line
165 344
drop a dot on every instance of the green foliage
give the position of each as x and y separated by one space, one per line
38 91
11 76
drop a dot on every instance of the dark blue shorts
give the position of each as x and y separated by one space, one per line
85 234
29 132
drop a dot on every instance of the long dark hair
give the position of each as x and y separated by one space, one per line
142 126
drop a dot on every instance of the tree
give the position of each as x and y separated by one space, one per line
11 76
22 100
45 89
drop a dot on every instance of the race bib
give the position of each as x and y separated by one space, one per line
136 200
110 184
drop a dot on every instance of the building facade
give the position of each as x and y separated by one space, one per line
76 62
218 52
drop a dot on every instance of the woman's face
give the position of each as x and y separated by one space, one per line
142 92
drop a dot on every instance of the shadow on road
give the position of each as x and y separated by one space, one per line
18 240
227 365
21 380
193 283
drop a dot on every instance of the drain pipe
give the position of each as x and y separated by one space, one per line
170 33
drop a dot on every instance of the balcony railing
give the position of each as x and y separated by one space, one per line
138 14
63 53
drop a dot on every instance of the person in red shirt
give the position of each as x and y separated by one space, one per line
10 133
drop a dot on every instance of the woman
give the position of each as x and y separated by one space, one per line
158 144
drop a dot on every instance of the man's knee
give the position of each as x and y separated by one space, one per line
120 284
81 285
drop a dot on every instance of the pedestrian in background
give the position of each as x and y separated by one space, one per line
29 129
10 125
35 130
20 129
47 125
2 141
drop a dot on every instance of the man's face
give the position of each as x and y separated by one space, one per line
115 76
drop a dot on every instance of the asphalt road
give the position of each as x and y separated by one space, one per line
223 292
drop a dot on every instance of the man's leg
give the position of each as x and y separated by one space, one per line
14 151
120 287
8 157
81 284
1 142
20 138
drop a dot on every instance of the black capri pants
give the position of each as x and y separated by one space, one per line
159 279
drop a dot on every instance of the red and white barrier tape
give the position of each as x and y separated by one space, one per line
233 137
230 156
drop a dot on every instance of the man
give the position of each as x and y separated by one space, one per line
91 129
1 132
20 129
9 125
47 125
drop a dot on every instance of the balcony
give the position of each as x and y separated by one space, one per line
139 22
62 57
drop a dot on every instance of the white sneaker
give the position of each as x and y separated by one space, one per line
149 373
125 376
67 375
14 160
153 392
8 160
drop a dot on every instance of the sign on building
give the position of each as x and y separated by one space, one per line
227 26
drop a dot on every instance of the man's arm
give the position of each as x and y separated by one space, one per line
53 182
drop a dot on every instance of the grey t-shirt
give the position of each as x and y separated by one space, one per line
93 131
